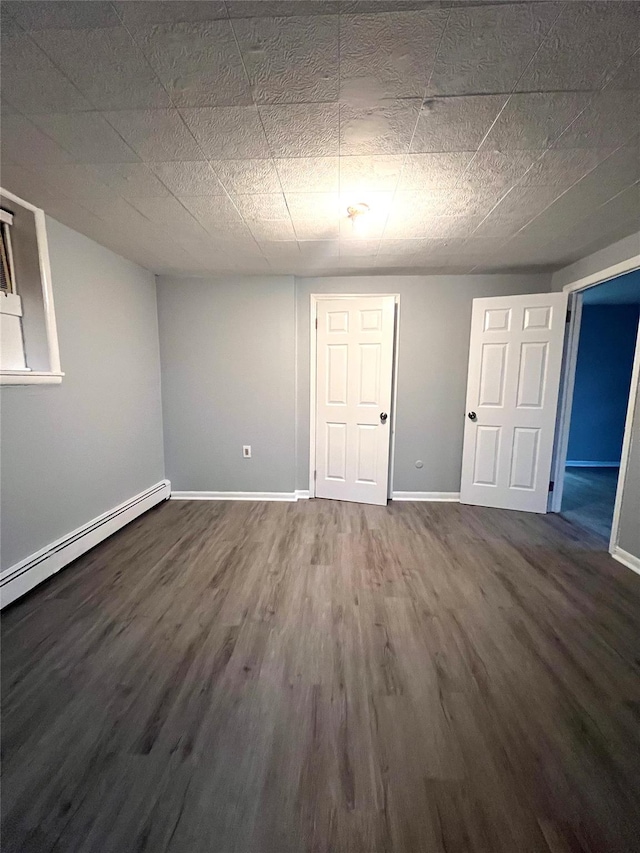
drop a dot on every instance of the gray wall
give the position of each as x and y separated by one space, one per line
228 379
73 451
435 322
617 252
629 531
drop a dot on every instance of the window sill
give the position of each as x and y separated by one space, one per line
29 377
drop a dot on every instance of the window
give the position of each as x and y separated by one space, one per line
28 336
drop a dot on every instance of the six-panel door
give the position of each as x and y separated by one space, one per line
515 361
353 390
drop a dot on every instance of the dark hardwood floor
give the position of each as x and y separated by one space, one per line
589 497
322 676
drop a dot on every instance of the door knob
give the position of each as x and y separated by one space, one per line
383 417
472 416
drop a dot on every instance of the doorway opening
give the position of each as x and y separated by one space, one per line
606 331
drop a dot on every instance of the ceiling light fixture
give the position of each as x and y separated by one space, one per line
356 212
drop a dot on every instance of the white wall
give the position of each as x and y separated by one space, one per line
73 451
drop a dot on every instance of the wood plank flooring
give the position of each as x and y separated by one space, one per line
324 677
589 497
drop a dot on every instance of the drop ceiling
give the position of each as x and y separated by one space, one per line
230 137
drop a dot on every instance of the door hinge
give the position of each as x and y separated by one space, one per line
568 315
316 322
551 485
315 476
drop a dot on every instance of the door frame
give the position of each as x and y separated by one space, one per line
313 353
576 289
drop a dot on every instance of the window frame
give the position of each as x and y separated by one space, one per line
52 376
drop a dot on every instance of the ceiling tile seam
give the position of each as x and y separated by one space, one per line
271 158
504 106
415 127
511 93
189 131
574 184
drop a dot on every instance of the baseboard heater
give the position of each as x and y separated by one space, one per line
28 573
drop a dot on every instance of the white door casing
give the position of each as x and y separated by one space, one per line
354 364
515 359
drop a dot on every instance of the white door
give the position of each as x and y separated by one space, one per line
354 367
512 396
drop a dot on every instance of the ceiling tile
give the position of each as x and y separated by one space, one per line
106 66
23 142
388 55
290 59
87 136
169 213
217 215
535 120
423 224
264 206
628 75
135 12
31 82
247 176
610 119
272 229
370 173
517 208
486 48
131 180
458 123
228 133
283 8
280 250
188 177
302 130
563 167
318 229
36 15
198 63
572 58
497 168
433 171
319 250
156 134
365 248
75 180
309 174
383 129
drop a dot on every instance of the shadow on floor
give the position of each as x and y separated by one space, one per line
589 496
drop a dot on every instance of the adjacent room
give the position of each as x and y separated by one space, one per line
602 385
320 426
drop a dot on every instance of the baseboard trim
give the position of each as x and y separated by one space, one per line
585 463
629 560
447 497
23 576
302 494
237 496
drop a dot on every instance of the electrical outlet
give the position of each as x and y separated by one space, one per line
246 451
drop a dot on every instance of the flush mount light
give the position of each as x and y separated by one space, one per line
356 210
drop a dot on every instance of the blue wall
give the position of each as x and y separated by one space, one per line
603 376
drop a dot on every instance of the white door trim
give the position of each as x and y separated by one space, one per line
313 339
603 275
626 446
575 290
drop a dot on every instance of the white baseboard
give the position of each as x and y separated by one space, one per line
450 497
23 576
302 494
629 560
581 463
238 496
